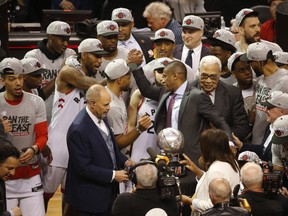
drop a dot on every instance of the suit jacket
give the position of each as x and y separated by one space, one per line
90 167
195 114
3 205
179 49
145 43
230 105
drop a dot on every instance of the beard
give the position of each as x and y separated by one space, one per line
250 40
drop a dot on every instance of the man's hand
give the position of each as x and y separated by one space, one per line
144 122
46 152
135 56
17 211
121 176
7 126
129 163
27 155
66 5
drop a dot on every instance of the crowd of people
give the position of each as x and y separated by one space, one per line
83 121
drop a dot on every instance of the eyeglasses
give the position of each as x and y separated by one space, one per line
205 76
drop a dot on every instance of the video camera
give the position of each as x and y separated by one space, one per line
170 170
272 180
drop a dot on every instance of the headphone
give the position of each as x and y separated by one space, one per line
132 170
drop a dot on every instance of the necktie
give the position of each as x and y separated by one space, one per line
169 110
188 60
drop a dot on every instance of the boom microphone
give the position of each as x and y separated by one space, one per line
160 160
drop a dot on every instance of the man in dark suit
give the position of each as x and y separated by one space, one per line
192 112
192 50
95 163
9 160
127 38
228 99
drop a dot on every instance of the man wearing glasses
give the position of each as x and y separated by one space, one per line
227 99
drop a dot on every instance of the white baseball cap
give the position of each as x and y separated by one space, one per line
161 63
11 66
248 156
156 211
122 15
59 28
242 14
233 59
281 57
91 45
107 27
116 69
164 34
224 36
280 127
32 66
256 52
277 99
193 22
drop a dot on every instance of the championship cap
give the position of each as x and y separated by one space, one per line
11 66
281 57
242 14
161 63
193 22
233 59
59 28
32 66
248 156
224 36
164 34
122 15
107 27
280 127
116 69
277 99
256 52
91 45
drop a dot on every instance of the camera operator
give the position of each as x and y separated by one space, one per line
220 194
261 205
280 147
146 196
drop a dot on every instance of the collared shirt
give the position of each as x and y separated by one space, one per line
130 44
175 112
100 124
196 55
212 96
267 141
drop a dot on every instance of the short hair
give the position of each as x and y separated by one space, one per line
179 67
210 60
147 175
94 92
251 174
157 10
248 15
7 150
220 188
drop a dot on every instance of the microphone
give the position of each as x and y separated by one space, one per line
160 160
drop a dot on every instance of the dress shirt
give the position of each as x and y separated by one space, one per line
100 124
130 44
196 55
175 112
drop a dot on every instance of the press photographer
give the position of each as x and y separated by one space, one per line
146 197
261 204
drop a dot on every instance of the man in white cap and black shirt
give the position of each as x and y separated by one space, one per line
248 25
262 61
71 83
129 39
192 50
222 46
164 41
27 115
33 76
281 59
52 53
